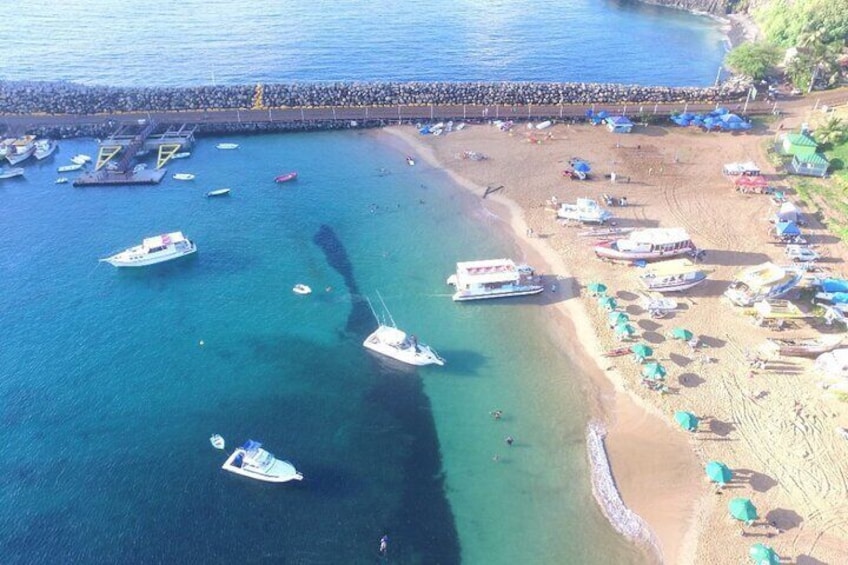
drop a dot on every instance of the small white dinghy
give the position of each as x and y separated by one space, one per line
227 146
70 168
301 289
410 161
183 155
61 180
217 441
219 192
183 176
81 159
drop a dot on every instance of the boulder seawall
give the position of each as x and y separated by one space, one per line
24 98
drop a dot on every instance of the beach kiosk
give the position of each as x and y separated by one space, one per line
806 160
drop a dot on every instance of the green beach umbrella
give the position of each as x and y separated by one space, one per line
680 333
597 288
607 302
742 509
762 554
616 318
687 420
624 329
719 472
641 350
654 371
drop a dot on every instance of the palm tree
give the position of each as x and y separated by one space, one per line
831 133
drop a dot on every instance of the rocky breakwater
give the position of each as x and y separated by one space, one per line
68 98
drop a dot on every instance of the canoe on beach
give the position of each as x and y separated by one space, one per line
811 347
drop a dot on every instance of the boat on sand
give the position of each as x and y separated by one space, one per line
809 347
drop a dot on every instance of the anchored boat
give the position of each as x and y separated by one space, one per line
153 250
393 342
286 177
250 460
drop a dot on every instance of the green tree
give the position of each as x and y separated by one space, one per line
831 133
753 59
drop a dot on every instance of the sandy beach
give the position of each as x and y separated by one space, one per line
774 427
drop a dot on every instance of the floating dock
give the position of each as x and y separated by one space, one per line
113 178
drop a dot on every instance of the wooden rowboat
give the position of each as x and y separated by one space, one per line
812 347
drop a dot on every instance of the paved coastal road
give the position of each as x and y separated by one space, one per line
390 114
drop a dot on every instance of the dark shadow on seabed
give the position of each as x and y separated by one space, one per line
423 521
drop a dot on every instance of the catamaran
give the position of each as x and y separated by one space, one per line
393 342
154 250
250 460
647 245
493 278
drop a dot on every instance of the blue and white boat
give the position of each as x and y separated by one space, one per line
250 460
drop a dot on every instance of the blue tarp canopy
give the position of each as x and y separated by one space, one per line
786 229
582 166
839 297
251 445
619 121
834 285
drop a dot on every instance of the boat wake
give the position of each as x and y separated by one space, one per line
625 521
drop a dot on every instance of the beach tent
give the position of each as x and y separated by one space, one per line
786 229
654 371
581 166
719 473
687 420
763 555
711 123
616 318
833 363
734 122
743 510
788 212
619 124
597 288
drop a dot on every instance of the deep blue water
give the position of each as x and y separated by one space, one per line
206 41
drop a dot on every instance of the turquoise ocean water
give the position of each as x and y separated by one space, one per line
107 397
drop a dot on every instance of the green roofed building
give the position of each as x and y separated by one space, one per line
806 160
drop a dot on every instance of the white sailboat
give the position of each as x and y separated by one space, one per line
393 342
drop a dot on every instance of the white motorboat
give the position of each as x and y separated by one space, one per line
183 176
70 168
301 289
493 278
10 173
250 460
647 245
585 211
61 180
218 192
154 250
762 282
44 148
22 149
672 276
227 146
181 155
392 342
217 441
81 159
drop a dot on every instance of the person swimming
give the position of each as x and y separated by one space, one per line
384 544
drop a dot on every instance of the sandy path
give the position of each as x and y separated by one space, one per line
774 429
